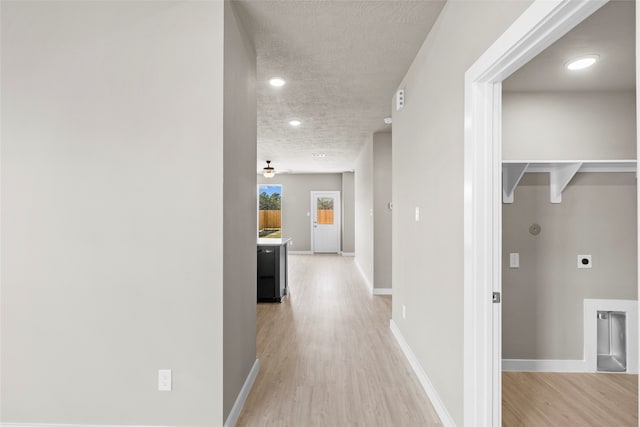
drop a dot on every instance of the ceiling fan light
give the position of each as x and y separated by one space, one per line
268 171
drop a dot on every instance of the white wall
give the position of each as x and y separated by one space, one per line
542 305
381 213
569 125
363 190
112 213
296 203
240 223
428 138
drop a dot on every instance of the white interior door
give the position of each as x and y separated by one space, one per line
325 221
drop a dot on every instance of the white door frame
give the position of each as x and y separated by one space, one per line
539 26
337 218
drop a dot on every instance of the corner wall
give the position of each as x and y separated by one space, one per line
112 254
381 212
240 223
363 190
348 219
428 169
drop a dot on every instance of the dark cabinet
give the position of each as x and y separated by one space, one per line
272 271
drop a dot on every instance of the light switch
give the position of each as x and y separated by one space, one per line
514 260
417 214
164 380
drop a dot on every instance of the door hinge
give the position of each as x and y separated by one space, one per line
496 297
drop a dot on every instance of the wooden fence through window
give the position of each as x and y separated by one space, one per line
270 219
325 216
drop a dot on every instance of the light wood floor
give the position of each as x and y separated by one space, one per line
552 399
328 357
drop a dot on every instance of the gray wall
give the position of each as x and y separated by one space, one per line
428 138
296 203
381 213
543 300
363 187
112 260
348 218
569 126
240 222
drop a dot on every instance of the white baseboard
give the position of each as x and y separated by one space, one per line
232 419
348 254
382 291
437 403
300 252
66 425
540 365
364 276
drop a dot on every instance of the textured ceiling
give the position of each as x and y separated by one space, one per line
342 61
609 32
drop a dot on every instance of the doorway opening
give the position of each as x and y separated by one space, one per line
569 219
540 26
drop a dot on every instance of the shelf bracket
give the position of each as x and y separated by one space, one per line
559 177
511 175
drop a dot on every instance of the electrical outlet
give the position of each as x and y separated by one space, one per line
404 311
164 380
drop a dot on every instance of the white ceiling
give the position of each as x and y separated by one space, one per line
342 61
609 33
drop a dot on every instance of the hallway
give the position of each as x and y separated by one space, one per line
328 357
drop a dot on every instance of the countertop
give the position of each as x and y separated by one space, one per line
273 242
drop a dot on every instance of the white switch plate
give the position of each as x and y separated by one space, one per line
514 260
404 311
417 214
164 380
584 261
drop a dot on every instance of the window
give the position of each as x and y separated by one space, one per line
325 210
270 211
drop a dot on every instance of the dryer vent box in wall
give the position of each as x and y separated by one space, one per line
612 341
400 100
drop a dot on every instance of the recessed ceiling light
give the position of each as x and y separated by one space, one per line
295 123
388 120
277 82
582 62
318 155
